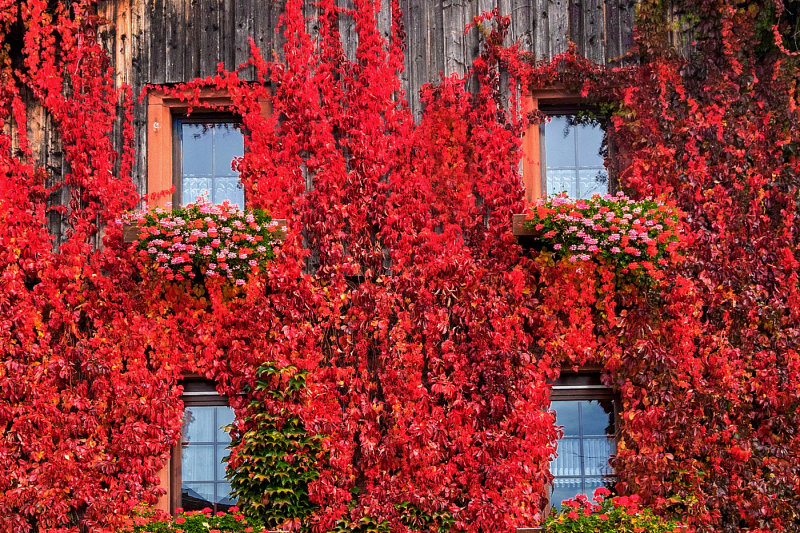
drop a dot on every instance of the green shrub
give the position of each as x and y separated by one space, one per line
273 461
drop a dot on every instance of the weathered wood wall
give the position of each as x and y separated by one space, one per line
168 41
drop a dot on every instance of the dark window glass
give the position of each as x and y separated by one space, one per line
207 151
204 445
584 451
572 159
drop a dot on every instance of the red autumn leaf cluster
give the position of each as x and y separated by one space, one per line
427 334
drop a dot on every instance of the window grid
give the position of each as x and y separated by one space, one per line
587 411
197 471
212 477
585 173
205 149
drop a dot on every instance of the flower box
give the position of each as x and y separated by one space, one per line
636 236
203 240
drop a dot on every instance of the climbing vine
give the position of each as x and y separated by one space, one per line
424 333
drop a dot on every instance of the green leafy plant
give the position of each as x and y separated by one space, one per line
618 514
636 236
273 460
418 520
147 520
205 240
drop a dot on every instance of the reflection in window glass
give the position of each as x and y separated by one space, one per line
207 153
572 159
584 450
205 444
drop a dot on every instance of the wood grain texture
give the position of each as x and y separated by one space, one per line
177 40
169 41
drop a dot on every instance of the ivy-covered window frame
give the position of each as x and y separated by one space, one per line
197 392
585 391
162 110
558 101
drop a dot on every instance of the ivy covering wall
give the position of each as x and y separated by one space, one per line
424 334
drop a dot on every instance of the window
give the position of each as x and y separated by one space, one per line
572 161
566 153
204 142
198 472
204 152
587 411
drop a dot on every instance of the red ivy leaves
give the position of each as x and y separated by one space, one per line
428 336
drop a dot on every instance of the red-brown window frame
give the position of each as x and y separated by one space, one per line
162 110
532 149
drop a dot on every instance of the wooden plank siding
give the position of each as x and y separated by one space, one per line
176 40
169 41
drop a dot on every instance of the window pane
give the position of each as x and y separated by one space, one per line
568 415
559 181
222 452
224 495
597 451
228 144
589 138
598 418
197 496
207 151
194 187
593 483
228 189
592 181
197 463
564 489
559 139
224 417
568 461
196 146
198 424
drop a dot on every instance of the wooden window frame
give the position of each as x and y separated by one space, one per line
585 384
177 152
201 393
546 101
162 112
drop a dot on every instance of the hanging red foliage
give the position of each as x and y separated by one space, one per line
426 335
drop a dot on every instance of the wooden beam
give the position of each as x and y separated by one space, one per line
518 226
